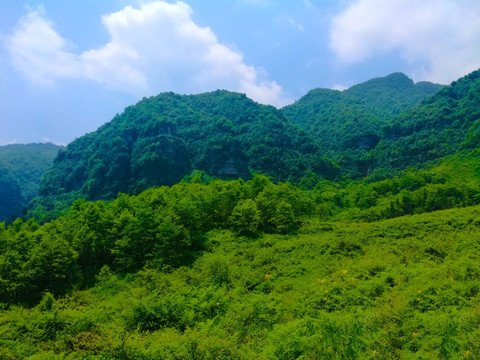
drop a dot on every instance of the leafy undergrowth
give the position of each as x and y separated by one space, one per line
401 288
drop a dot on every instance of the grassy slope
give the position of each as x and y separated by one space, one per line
401 288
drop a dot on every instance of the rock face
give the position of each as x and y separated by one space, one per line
233 168
162 159
364 142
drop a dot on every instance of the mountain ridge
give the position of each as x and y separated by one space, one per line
374 267
348 124
162 139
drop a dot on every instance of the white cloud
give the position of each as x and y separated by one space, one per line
444 34
39 52
154 48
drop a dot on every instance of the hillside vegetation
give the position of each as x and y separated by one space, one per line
162 139
348 124
445 123
211 227
21 168
242 270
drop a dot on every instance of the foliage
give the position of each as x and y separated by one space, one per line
21 167
162 139
382 267
442 125
11 195
162 227
211 269
399 288
348 124
454 182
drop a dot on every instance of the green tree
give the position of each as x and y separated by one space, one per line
245 217
284 219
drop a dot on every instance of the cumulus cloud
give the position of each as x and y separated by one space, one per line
443 34
39 52
156 47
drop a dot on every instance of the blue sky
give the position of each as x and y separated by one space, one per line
67 67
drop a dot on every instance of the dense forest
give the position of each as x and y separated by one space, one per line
21 168
344 226
234 269
162 139
445 123
348 124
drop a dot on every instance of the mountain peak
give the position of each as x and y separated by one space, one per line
396 81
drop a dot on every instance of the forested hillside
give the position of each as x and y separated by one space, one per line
348 124
162 139
442 125
257 246
12 199
21 168
240 270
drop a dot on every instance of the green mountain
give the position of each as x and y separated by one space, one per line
443 124
347 124
21 168
380 267
162 139
11 195
393 93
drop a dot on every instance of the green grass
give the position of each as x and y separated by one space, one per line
405 288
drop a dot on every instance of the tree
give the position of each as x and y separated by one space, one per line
245 217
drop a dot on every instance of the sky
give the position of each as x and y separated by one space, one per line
67 67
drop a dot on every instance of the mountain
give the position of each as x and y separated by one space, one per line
393 93
368 129
162 139
347 124
443 124
21 168
12 199
214 268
